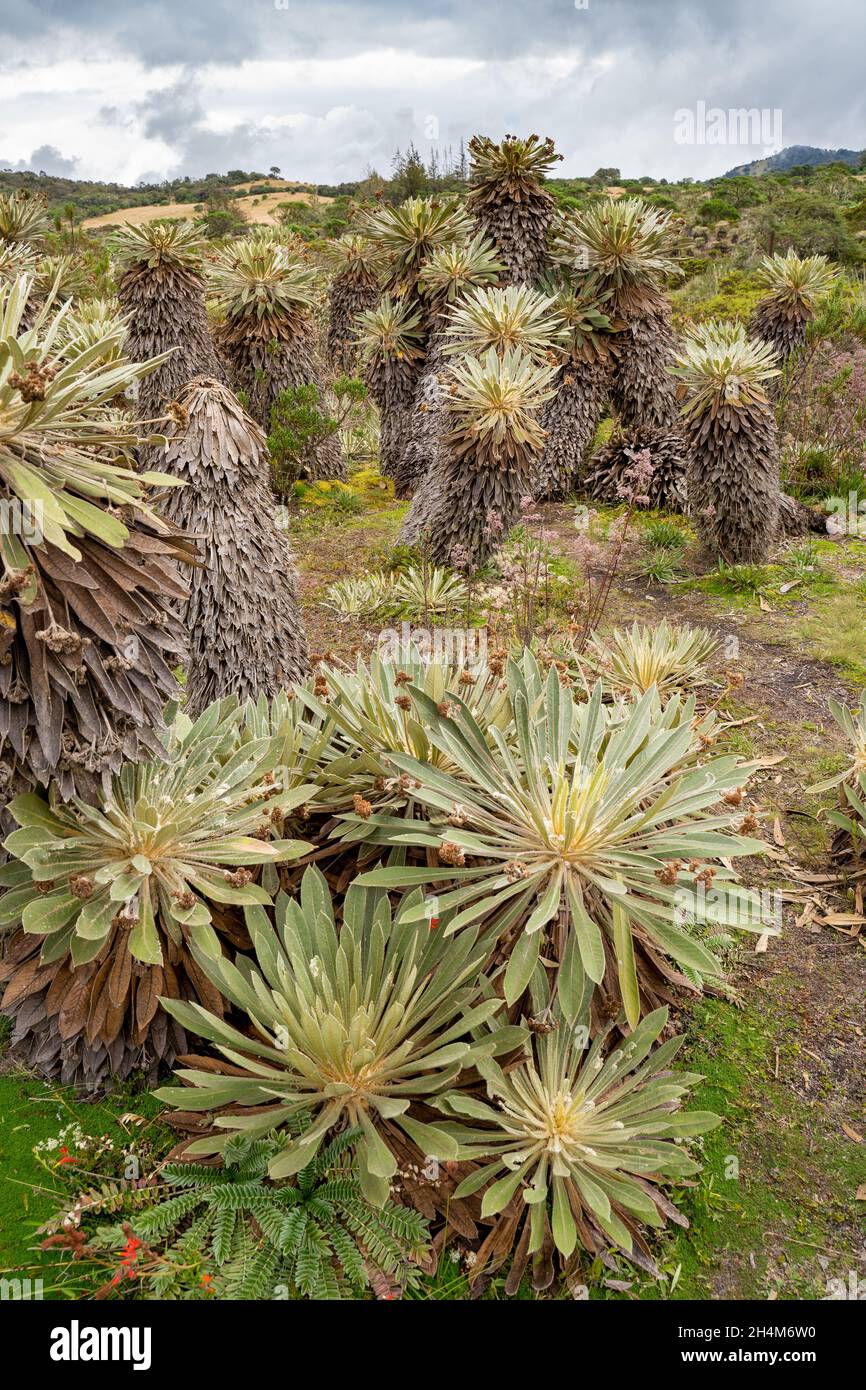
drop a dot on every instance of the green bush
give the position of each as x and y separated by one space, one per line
807 222
717 210
221 222
299 425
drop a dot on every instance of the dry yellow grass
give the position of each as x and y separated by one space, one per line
257 209
269 183
264 207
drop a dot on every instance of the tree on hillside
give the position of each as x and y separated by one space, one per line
807 223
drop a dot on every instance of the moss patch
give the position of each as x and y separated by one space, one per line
32 1111
774 1210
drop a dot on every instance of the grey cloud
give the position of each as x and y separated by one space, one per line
172 113
156 31
637 63
335 143
47 160
199 31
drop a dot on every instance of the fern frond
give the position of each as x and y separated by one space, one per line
223 1231
236 1196
158 1221
313 1251
349 1256
193 1175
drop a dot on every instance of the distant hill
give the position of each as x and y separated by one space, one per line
795 155
93 200
251 203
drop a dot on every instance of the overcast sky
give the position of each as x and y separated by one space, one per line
133 90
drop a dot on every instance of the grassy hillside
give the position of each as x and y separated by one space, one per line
252 206
817 209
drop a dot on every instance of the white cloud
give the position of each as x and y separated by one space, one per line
325 90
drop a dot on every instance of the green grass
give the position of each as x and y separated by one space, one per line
776 1191
740 740
835 631
32 1111
740 582
660 564
745 585
661 533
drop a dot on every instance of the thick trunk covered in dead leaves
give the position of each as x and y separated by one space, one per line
101 1021
643 391
518 227
468 500
796 519
666 490
570 419
392 384
784 330
243 617
266 358
86 667
427 422
168 311
733 482
350 295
